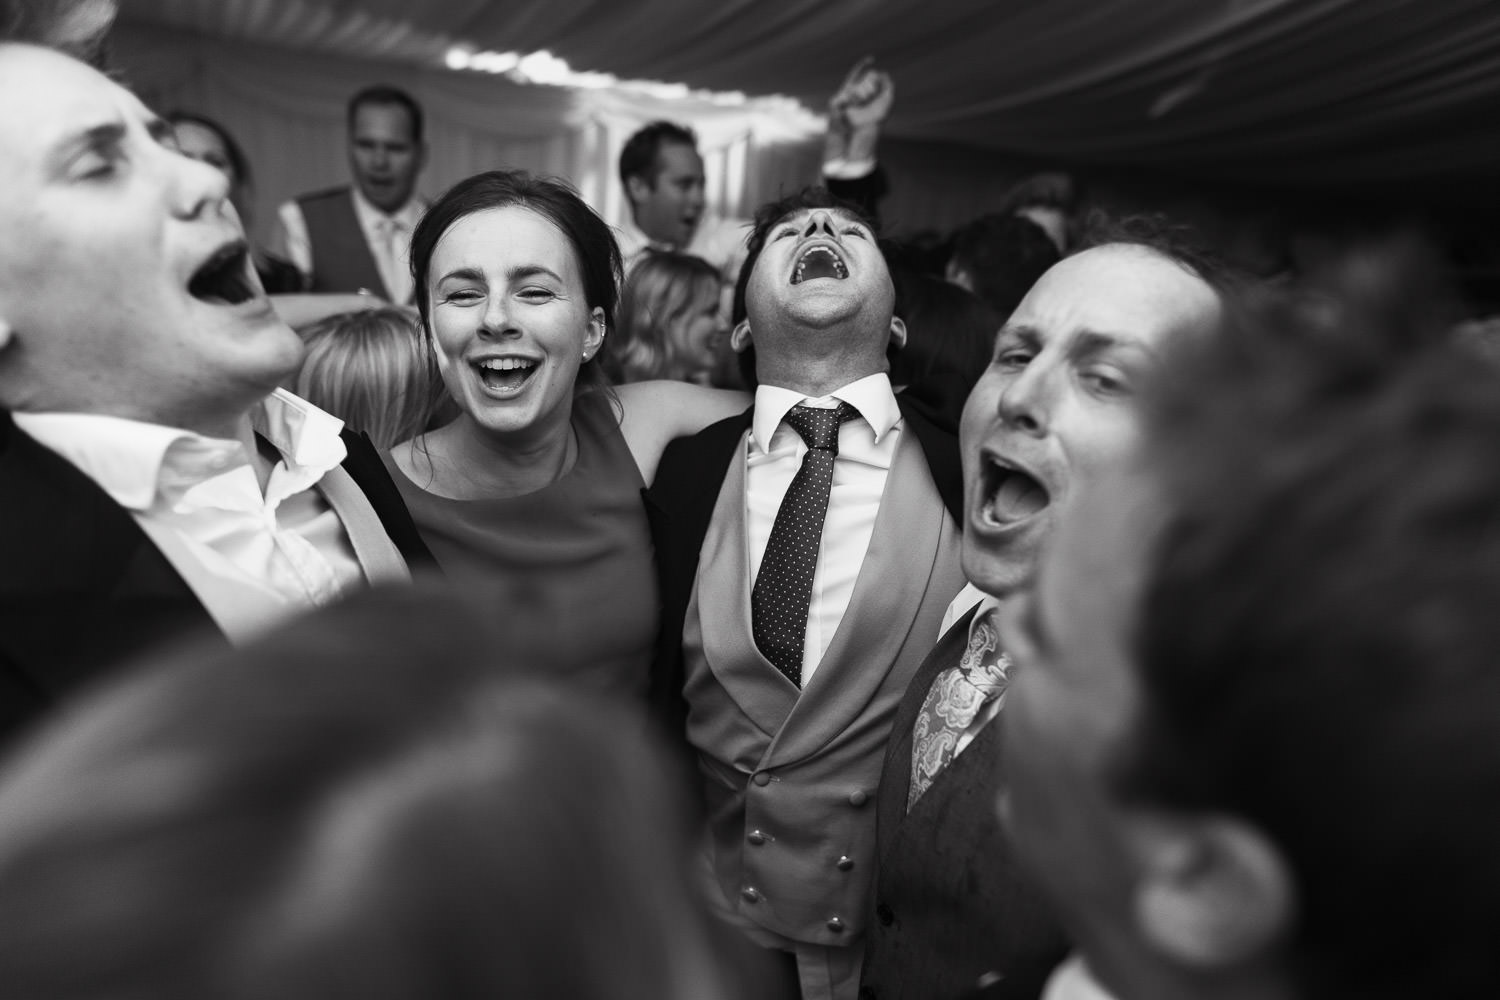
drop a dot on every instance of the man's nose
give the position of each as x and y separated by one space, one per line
1025 403
819 224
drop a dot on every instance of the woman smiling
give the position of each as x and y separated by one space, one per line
532 495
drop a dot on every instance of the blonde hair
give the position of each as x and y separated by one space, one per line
371 370
660 298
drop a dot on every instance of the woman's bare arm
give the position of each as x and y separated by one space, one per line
657 412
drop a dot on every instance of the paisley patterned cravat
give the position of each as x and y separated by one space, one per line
955 698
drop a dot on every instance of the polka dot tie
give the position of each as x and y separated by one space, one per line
783 587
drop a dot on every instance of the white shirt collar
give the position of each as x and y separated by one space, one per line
370 217
984 607
136 462
633 240
871 396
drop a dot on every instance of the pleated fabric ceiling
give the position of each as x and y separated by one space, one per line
1306 92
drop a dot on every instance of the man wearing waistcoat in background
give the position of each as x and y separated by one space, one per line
808 550
358 238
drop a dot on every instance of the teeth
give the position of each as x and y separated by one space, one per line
833 265
505 364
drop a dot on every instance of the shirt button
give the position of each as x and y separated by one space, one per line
761 778
845 863
858 797
836 925
756 837
884 915
751 894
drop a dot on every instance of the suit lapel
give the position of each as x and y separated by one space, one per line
377 554
763 693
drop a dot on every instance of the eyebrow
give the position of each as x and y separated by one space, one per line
1091 343
532 271
1087 344
518 273
98 137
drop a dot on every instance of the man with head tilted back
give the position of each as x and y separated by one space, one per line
807 553
154 480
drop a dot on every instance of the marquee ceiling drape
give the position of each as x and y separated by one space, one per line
1312 93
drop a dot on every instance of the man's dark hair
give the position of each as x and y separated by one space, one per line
1318 644
1157 233
384 94
639 157
1003 255
766 217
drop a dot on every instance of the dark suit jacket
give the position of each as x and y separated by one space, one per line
951 903
83 588
680 504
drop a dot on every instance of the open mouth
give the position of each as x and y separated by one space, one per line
1011 495
224 279
505 374
819 262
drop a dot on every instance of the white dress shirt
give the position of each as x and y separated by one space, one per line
282 550
1072 980
959 606
388 236
773 455
718 240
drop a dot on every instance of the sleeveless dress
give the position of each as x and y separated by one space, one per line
567 569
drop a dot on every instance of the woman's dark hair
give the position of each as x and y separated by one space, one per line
950 335
555 200
237 159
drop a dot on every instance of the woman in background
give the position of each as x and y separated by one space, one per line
671 325
371 370
532 496
204 139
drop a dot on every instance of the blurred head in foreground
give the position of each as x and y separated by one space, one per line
361 805
1250 747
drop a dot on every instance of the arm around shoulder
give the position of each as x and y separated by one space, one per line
656 412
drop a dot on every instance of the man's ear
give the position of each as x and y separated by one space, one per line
423 151
6 331
637 188
739 337
1212 891
898 332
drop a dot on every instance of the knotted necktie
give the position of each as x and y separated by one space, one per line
953 701
783 587
392 263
